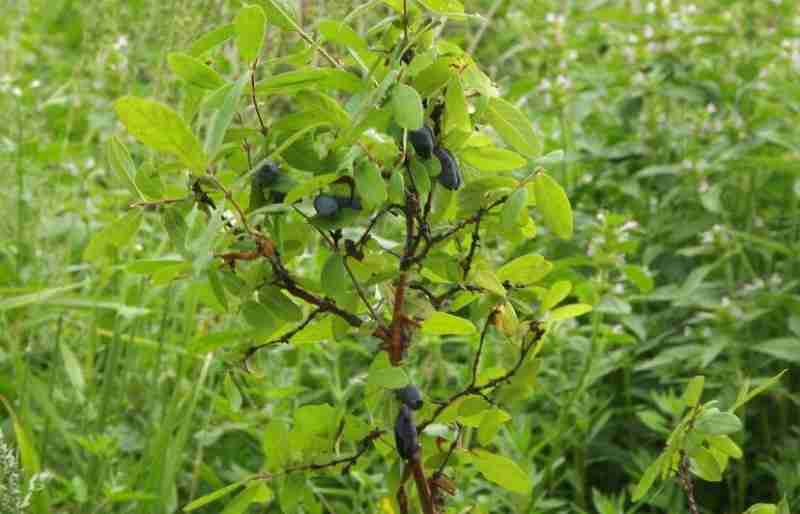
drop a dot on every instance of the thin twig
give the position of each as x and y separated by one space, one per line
537 333
156 203
360 290
285 338
253 96
477 359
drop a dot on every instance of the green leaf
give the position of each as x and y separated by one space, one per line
486 278
343 34
514 127
693 391
456 112
251 25
407 107
279 13
194 71
309 187
115 234
527 269
639 277
224 116
256 492
783 506
725 444
315 419
647 480
441 323
704 465
40 296
502 471
784 348
280 305
745 395
293 81
490 424
388 378
715 422
120 161
569 311
335 279
276 445
73 368
259 316
554 205
211 39
490 158
160 128
370 185
444 6
762 508
512 208
214 496
555 294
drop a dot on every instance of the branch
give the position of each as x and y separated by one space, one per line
475 218
285 338
363 444
537 332
253 96
360 290
285 281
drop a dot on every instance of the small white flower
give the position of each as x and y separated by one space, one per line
121 42
651 8
648 32
629 225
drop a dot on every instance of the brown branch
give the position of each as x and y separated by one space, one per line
285 281
686 482
423 489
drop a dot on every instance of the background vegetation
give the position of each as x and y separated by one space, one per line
678 122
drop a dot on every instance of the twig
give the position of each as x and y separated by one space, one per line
253 96
349 462
474 244
285 338
229 198
686 482
537 333
453 446
285 281
360 290
157 203
476 361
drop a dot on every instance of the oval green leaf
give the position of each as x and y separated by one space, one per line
160 128
554 205
441 323
407 107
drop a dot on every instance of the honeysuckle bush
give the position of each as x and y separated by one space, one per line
377 191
